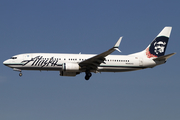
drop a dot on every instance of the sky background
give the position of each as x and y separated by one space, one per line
88 26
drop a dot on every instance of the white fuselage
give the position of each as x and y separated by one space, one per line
50 61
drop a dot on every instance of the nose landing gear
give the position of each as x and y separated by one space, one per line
15 69
20 74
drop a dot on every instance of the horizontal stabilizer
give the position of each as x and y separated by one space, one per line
165 57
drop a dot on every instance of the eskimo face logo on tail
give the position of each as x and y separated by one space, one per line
157 47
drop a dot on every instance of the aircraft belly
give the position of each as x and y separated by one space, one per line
118 69
55 68
41 68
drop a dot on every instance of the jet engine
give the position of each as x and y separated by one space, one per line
70 67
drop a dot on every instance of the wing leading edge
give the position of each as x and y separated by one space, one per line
93 62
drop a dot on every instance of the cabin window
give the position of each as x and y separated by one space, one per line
13 57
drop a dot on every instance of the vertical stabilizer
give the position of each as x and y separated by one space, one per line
158 46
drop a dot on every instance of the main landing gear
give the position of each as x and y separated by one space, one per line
88 75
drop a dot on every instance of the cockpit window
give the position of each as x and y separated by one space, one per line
13 57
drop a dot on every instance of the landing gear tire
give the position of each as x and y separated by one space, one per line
88 75
20 74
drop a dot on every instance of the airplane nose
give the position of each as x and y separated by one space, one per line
5 62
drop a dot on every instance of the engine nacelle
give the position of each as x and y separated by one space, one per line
70 67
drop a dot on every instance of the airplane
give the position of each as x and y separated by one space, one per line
74 64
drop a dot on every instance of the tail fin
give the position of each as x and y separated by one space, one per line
158 46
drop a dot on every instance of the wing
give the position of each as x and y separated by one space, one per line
93 62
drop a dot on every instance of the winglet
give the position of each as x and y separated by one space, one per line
117 44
